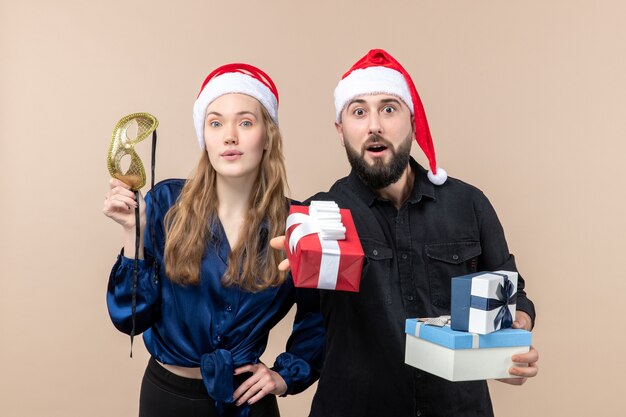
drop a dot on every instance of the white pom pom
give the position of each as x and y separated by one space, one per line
439 178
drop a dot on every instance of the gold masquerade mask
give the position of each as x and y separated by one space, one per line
121 145
143 124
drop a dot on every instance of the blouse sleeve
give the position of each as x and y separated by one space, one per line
120 287
301 364
119 295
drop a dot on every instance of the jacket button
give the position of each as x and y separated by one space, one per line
375 252
418 413
455 257
404 256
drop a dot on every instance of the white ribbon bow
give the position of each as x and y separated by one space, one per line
324 218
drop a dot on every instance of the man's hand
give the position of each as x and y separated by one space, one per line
278 243
262 382
523 321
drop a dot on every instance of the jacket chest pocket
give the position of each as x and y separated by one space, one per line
445 261
375 285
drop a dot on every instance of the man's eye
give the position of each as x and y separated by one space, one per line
388 109
359 112
215 123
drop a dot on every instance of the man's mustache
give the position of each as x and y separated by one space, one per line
375 139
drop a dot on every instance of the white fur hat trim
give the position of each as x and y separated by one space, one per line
231 83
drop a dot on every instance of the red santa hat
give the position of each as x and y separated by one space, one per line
234 79
379 73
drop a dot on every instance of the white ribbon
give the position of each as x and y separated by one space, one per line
442 321
324 218
475 341
436 321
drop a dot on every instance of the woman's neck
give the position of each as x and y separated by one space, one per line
233 195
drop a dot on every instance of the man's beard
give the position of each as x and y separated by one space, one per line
380 175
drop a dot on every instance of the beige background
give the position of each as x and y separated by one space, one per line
525 99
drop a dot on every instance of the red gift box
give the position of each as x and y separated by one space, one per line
319 262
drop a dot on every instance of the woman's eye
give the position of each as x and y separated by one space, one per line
388 109
215 123
246 123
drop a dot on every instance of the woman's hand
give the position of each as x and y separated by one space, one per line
119 205
262 382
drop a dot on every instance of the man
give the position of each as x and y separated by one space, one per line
418 229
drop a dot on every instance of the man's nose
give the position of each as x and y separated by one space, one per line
375 127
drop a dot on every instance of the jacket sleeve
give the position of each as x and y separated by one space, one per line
495 253
301 364
121 280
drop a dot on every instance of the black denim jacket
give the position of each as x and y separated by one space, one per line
411 254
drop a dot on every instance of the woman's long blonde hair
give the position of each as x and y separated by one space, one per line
252 264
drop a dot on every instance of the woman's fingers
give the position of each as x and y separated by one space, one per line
114 182
114 206
129 201
244 369
241 394
121 191
262 382
255 393
120 204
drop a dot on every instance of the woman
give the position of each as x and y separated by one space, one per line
208 288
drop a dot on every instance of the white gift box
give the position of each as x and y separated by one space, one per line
483 302
462 356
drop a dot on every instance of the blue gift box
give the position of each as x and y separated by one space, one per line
453 339
463 356
483 302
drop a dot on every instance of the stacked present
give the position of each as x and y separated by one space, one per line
476 341
323 247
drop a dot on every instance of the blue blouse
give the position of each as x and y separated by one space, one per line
208 325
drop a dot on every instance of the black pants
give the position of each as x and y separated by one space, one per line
164 394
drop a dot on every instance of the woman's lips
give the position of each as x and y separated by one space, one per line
231 155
